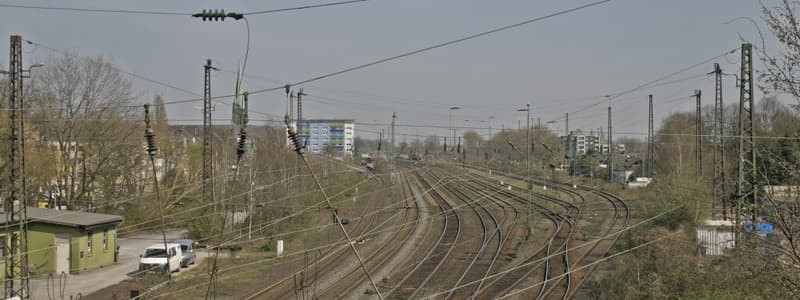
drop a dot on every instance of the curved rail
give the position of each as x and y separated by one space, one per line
400 236
411 284
285 286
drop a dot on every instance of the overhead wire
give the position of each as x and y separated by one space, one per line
611 97
164 13
96 10
301 7
403 55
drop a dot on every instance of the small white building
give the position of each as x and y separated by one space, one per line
639 182
622 176
715 236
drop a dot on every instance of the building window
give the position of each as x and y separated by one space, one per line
3 247
89 242
105 239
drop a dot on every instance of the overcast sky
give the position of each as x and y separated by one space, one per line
559 65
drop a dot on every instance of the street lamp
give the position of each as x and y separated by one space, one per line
527 109
31 67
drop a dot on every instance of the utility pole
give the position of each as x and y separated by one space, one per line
719 146
293 176
299 126
528 167
698 144
380 142
298 181
393 154
567 146
285 162
747 187
651 151
151 153
16 260
208 167
610 149
394 117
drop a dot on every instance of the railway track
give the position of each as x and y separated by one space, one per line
354 278
619 220
289 286
415 280
486 265
539 263
492 235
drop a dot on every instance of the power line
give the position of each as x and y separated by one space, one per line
301 7
649 84
395 57
94 10
391 58
162 13
135 75
440 45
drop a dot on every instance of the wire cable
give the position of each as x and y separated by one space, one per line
163 13
301 7
403 55
94 10
609 98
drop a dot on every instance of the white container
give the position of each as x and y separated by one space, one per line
279 248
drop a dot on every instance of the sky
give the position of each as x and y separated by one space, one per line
563 64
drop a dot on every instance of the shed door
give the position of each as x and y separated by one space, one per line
62 253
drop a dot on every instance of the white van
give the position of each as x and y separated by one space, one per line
155 258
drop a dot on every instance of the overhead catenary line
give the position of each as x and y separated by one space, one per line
132 74
614 96
162 13
406 54
301 7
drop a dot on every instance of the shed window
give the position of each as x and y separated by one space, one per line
89 242
105 239
3 247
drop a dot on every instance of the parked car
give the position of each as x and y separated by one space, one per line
155 258
187 248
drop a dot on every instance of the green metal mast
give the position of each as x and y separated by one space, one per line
747 187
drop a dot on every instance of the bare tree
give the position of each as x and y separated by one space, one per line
83 108
781 71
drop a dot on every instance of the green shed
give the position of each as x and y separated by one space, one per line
69 241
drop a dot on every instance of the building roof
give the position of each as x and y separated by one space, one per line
329 120
72 218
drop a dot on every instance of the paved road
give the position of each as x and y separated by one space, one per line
91 281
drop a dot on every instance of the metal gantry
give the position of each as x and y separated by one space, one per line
651 150
610 149
16 259
299 126
719 192
529 174
747 186
208 167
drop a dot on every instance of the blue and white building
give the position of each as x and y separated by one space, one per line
320 134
